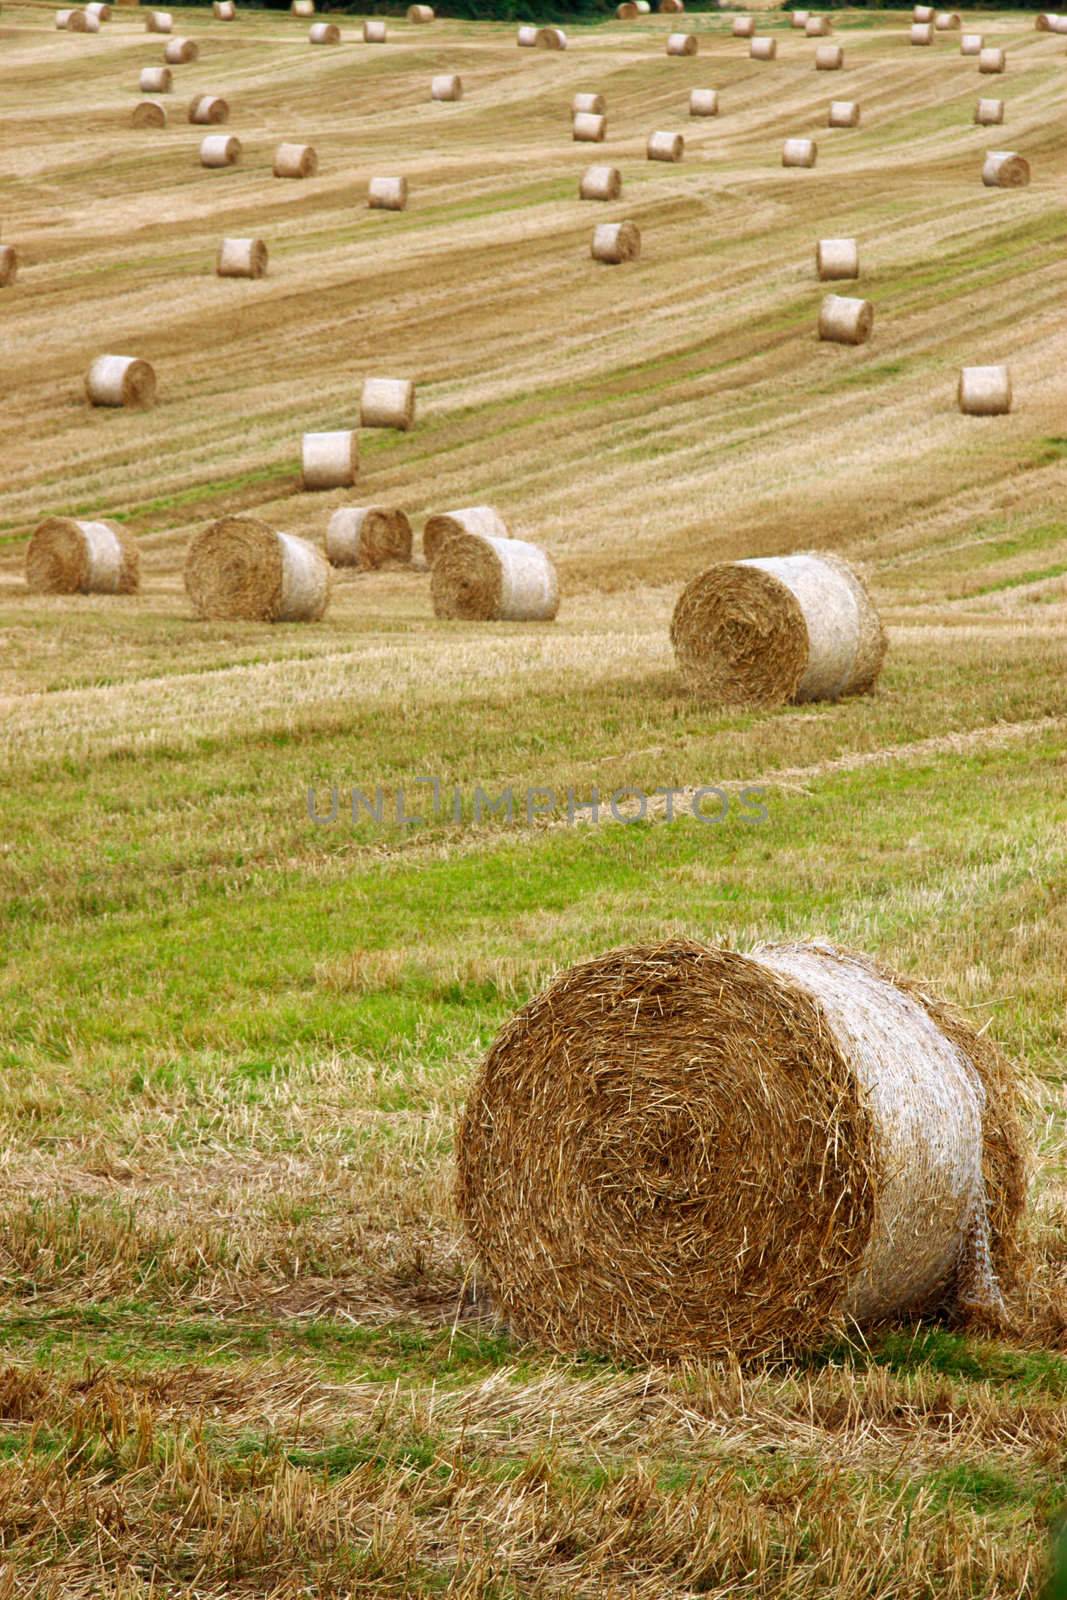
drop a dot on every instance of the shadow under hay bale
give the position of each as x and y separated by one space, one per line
493 580
679 1151
239 569
66 556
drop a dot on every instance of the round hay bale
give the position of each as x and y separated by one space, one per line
368 537
817 27
329 460
799 19
844 114
845 321
241 258
159 22
121 381
91 22
387 194
988 113
220 150
665 147
387 403
526 38
743 27
922 33
615 242
303 8
98 9
671 7
478 522
69 557
446 86
295 161
239 569
1059 24
62 18
629 9
421 14
703 102
679 1151
763 49
224 10
9 265
208 110
148 114
992 59
946 21
324 33
178 52
551 39
1044 22
156 80
589 102
971 44
493 580
374 30
829 58
1005 169
836 258
923 14
799 153
681 44
984 391
600 183
778 629
588 128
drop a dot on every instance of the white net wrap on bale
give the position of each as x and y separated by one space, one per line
208 110
600 183
837 258
971 44
9 265
817 27
156 80
763 49
526 38
627 10
844 114
482 522
421 14
1005 169
743 27
922 33
682 44
224 10
778 628
324 33
179 52
588 128
679 1151
845 320
703 102
946 21
374 31
387 194
240 568
992 60
159 22
387 403
989 113
66 556
121 381
799 19
922 14
241 258
589 102
99 9
329 460
446 86
303 8
799 153
985 391
295 161
368 536
829 58
220 150
615 242
665 146
493 580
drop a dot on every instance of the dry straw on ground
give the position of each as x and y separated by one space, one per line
600 183
844 320
179 52
156 80
208 110
829 58
665 146
615 242
588 128
703 102
387 403
65 556
799 153
992 60
985 391
743 27
421 14
482 522
220 150
241 258
836 258
159 22
387 194
375 31
148 114
9 265
682 44
239 568
680 1151
329 460
295 161
324 33
763 49
121 381
989 113
844 114
368 536
776 629
1004 169
589 102
493 580
446 86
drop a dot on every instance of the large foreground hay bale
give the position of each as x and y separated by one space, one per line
241 258
387 194
324 33
156 80
148 114
588 128
178 52
681 44
703 102
329 460
985 391
971 44
775 629
922 33
763 49
799 153
551 39
208 111
480 522
845 321
446 86
375 31
615 242
295 161
665 146
992 59
988 113
220 150
743 27
159 22
9 265
421 14
121 381
837 258
387 403
239 568
1004 169
844 114
69 557
368 536
493 580
829 58
682 1151
600 183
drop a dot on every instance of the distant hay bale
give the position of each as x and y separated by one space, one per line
91 21
179 52
1044 21
387 403
615 242
526 38
1005 169
923 14
829 58
551 39
156 80
817 27
703 102
220 150
303 8
478 522
241 258
387 194
743 27
971 44
844 114
148 114
374 30
208 110
843 320
588 128
984 391
159 22
368 536
600 183
681 1152
992 59
72 21
295 161
665 146
763 49
224 10
62 18
493 580
324 33
836 258
922 33
799 19
329 460
681 44
778 629
121 381
632 8
238 569
66 556
446 86
671 7
589 102
9 265
421 14
988 113
799 153
98 9
947 21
